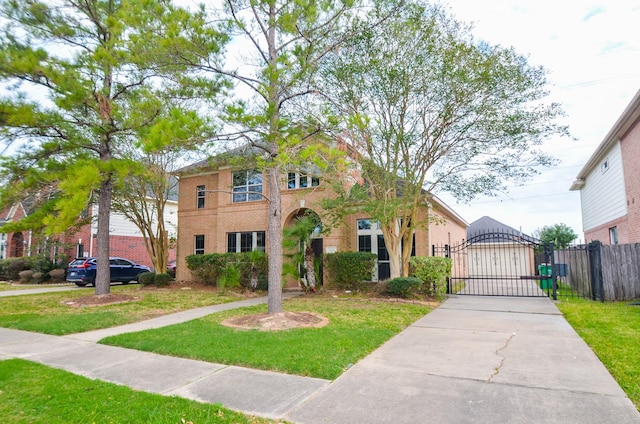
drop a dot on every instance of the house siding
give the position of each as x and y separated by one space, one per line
604 188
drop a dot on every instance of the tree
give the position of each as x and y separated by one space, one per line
283 43
92 76
429 109
299 236
143 201
561 235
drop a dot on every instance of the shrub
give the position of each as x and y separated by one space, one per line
57 275
433 272
206 268
403 286
38 277
229 277
162 280
40 263
348 270
146 278
25 276
216 268
13 267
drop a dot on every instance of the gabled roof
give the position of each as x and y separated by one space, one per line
247 151
488 225
625 122
449 211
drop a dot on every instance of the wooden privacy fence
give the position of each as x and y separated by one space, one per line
600 271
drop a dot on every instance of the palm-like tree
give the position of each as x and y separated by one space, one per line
298 237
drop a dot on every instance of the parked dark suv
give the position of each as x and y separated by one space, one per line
82 271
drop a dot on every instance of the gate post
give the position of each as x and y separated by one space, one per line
554 283
595 270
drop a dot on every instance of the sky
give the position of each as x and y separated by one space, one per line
591 51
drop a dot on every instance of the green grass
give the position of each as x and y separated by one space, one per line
356 327
612 330
48 313
31 393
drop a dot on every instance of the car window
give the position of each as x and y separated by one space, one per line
77 262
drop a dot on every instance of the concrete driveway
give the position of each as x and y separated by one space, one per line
477 360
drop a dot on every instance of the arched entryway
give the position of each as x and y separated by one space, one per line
16 245
304 229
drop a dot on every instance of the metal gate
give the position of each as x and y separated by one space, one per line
501 264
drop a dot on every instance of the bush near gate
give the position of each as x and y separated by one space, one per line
404 286
433 272
349 270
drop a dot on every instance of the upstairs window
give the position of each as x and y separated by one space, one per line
300 180
247 186
200 191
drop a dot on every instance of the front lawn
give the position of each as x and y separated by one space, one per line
33 393
356 327
57 314
612 330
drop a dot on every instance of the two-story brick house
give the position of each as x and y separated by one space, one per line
220 210
608 183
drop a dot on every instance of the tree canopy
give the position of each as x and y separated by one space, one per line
428 109
561 235
82 80
277 110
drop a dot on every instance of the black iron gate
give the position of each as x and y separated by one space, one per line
501 264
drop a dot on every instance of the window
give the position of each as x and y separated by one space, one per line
247 186
198 248
613 235
200 192
300 180
246 241
604 166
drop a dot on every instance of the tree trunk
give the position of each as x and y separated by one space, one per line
103 273
274 300
392 242
308 264
406 253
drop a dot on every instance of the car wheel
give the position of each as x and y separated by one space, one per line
125 282
81 284
92 283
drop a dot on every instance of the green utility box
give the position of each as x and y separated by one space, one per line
545 270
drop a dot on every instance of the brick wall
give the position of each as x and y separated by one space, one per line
221 216
630 146
601 233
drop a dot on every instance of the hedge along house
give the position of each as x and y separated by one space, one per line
222 208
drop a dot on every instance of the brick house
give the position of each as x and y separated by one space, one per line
216 214
608 183
125 239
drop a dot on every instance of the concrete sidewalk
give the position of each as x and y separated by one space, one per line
477 360
472 360
38 290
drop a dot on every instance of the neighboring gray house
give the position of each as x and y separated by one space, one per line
495 248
